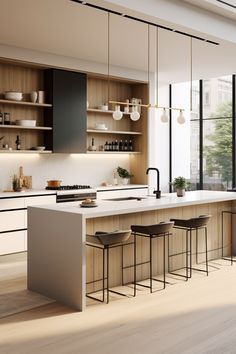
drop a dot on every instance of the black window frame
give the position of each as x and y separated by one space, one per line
201 120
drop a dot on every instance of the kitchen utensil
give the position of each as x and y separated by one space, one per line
26 122
54 183
13 95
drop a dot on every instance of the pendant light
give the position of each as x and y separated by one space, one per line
134 115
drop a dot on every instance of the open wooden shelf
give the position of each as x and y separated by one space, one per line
23 103
25 151
96 131
114 152
2 126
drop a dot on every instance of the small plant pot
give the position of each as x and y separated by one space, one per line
125 181
180 192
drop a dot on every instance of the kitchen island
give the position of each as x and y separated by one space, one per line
57 262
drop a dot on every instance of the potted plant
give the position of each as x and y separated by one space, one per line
180 184
124 174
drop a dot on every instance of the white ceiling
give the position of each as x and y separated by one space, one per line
65 28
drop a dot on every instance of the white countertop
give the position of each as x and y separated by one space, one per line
26 193
169 200
120 186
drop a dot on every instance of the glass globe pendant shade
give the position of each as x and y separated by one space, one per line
180 118
164 116
135 115
117 114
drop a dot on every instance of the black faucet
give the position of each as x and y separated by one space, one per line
157 191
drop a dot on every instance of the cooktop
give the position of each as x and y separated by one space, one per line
68 187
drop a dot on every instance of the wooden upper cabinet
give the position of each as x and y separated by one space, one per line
66 91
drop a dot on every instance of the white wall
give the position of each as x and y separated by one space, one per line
71 169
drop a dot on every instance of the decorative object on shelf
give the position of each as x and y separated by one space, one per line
39 148
92 147
1 118
6 118
180 184
18 143
33 96
41 97
124 174
103 107
100 126
26 122
117 114
13 95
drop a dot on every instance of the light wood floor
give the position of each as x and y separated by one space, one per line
198 316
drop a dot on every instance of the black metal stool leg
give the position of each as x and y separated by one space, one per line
186 235
135 270
151 264
122 260
206 251
197 246
107 275
103 274
168 251
190 250
164 260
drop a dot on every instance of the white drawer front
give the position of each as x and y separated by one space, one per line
108 194
45 199
13 203
12 220
12 242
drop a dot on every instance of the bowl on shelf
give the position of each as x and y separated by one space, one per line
13 95
38 148
26 122
100 126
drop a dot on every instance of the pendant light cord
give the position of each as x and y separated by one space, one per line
191 74
157 64
148 66
108 57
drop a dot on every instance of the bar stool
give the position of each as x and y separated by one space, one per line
161 230
190 225
231 257
106 241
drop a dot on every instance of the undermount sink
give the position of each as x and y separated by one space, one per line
124 198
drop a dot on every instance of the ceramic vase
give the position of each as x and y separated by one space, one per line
33 96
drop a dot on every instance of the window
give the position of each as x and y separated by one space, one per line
217 134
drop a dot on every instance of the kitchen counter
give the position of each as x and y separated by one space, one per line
26 193
57 237
148 203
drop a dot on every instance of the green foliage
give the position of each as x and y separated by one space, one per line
219 155
180 183
123 173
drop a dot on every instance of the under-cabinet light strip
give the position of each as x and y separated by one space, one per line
85 3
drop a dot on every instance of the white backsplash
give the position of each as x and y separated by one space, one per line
71 169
